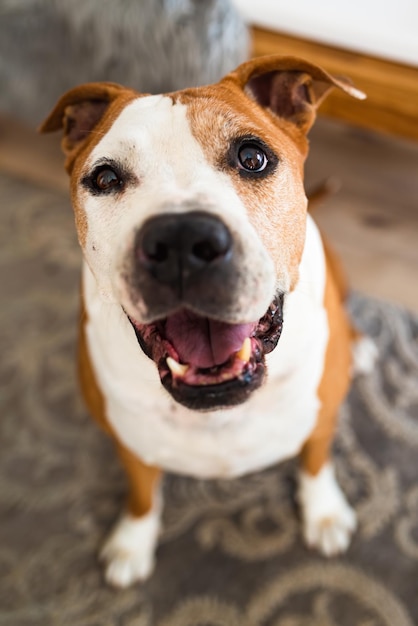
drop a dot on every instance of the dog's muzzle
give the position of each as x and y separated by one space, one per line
186 259
185 270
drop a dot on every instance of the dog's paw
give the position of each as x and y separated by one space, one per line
328 519
365 354
128 553
330 534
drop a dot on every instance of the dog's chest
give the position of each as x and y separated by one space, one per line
271 426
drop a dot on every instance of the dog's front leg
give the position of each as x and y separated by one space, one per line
328 519
129 551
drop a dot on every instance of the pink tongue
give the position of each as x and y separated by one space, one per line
202 342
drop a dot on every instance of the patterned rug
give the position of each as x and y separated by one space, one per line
231 553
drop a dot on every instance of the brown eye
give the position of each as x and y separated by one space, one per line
252 158
106 179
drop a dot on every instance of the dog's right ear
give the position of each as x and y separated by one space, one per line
79 111
289 87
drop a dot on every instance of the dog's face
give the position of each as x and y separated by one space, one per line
191 213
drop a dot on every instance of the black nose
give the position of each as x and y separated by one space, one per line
176 249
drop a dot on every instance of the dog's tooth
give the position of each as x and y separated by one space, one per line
178 369
245 352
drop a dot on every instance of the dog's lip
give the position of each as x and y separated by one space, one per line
220 395
223 384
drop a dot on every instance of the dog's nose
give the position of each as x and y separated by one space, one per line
178 248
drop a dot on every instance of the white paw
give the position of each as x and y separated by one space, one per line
328 519
365 355
129 551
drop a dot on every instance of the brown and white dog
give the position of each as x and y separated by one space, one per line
213 340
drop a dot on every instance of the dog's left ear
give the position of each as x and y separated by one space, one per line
290 87
79 111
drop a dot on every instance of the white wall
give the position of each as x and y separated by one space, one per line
382 28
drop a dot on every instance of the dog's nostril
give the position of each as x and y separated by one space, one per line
158 252
208 251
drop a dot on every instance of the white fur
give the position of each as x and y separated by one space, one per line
328 519
271 426
129 551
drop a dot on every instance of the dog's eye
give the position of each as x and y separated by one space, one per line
252 158
105 179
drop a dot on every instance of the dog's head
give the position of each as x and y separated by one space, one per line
191 213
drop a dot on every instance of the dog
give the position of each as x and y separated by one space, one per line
213 339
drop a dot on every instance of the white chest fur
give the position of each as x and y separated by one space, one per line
271 426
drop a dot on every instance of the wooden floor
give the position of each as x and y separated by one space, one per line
372 220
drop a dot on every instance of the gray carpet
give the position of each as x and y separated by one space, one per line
231 553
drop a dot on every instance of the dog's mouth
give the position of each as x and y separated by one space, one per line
208 364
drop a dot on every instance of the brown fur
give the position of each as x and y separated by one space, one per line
335 379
